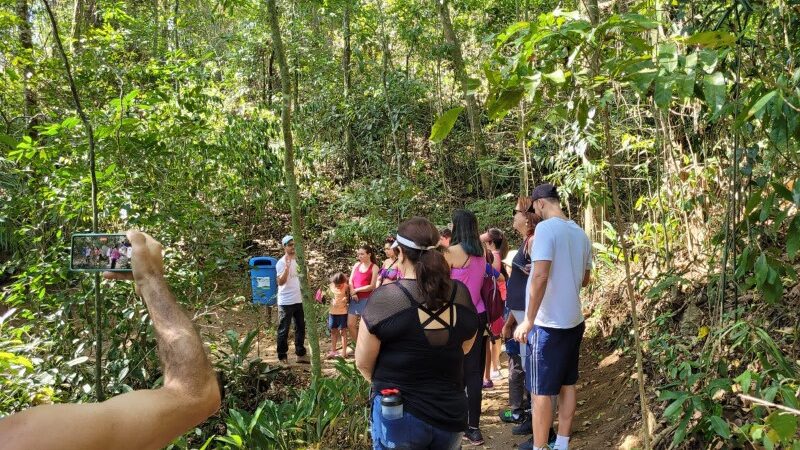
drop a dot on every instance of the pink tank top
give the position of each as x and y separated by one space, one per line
362 279
472 277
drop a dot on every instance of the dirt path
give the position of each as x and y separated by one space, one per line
607 412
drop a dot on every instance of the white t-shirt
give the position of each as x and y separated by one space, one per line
289 293
566 245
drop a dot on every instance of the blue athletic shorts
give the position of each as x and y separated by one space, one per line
356 307
337 321
553 359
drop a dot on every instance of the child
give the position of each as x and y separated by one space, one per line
496 250
337 319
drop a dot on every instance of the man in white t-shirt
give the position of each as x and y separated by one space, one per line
553 324
290 304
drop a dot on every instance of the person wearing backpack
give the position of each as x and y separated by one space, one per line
496 251
467 264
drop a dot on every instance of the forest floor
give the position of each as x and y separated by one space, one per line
607 415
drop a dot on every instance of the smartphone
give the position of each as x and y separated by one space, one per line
100 252
522 268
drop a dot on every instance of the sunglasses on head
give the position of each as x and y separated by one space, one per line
529 210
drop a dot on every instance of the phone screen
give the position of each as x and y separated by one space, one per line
100 252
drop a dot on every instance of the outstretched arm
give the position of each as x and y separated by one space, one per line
141 419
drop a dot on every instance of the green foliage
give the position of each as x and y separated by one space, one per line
244 378
444 124
306 418
698 385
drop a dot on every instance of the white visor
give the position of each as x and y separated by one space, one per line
410 244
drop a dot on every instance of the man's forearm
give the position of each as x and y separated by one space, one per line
283 276
538 285
180 348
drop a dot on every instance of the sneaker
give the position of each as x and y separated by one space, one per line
303 359
508 416
523 428
283 360
528 445
474 436
496 375
487 384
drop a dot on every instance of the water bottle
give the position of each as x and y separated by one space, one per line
391 404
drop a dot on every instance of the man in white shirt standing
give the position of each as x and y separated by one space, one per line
553 325
290 304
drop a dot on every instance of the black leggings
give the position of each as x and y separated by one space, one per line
474 365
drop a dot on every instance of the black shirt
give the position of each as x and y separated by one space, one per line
425 364
518 281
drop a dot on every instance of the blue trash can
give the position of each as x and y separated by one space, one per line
264 280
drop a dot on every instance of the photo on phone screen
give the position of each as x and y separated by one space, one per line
101 252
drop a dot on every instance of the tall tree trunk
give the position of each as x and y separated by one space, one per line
271 85
29 95
98 305
387 59
175 11
294 198
83 17
473 113
592 214
350 153
156 27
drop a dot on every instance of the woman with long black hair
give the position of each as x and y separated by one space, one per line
465 256
412 345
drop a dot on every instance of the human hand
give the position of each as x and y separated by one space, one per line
507 332
527 269
146 259
521 333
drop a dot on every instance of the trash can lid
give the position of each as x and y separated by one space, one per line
263 261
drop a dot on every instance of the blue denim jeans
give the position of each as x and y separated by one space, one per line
409 433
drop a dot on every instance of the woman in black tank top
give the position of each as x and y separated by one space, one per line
416 333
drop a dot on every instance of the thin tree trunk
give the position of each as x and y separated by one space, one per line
350 154
591 211
473 114
623 240
74 43
156 28
523 147
29 95
92 172
83 17
294 198
271 87
175 25
384 80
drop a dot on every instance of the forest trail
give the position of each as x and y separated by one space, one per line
607 403
607 415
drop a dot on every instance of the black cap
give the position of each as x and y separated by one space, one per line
546 190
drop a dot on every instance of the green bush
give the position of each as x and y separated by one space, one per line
333 405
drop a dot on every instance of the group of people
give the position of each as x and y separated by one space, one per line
426 337
422 342
113 256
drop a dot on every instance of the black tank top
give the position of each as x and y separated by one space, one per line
515 287
425 365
